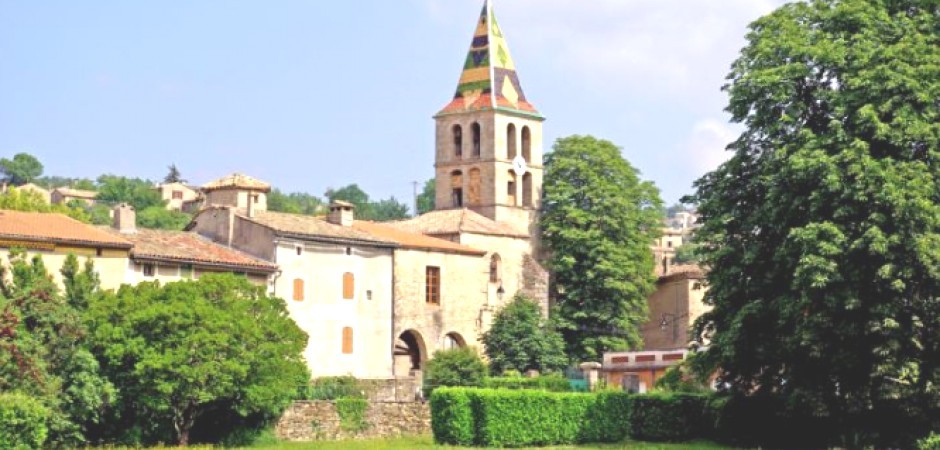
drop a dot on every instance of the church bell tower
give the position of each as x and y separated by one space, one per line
489 137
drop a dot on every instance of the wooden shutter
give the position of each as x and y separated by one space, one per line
349 286
347 341
298 290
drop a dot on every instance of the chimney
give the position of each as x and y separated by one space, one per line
124 218
341 213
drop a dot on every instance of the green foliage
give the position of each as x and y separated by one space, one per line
352 414
426 198
158 217
551 383
183 350
173 175
140 194
294 203
383 210
52 182
822 231
456 367
22 422
43 351
684 377
80 284
608 420
931 442
20 170
687 253
452 416
332 388
29 201
386 210
667 417
522 339
598 220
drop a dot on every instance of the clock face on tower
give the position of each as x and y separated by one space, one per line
519 166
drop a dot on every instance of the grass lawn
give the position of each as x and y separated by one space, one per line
427 443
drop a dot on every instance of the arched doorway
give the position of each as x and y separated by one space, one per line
410 353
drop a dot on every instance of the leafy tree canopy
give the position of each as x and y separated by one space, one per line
383 210
180 351
294 203
822 231
28 201
22 169
138 193
427 197
521 339
455 367
598 221
158 217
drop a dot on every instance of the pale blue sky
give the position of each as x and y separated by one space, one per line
315 94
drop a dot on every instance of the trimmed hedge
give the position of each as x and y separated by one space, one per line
506 418
452 416
609 420
551 383
668 417
22 422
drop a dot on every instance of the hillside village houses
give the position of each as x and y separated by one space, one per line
376 299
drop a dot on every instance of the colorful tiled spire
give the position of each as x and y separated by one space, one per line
489 80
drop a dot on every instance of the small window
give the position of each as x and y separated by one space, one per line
298 290
458 141
369 295
669 244
186 271
347 341
495 263
349 286
99 252
511 142
433 285
477 136
148 270
300 250
177 195
458 197
348 251
254 198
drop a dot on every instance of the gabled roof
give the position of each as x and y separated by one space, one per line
489 80
414 241
77 193
56 229
187 247
457 221
237 180
315 228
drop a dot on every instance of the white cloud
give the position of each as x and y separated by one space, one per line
704 148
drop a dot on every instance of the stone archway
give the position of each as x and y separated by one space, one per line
410 353
453 340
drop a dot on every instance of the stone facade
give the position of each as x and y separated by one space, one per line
319 420
673 308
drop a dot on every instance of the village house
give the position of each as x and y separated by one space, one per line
54 236
63 195
178 196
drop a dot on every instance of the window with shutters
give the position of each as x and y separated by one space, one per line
349 286
347 341
433 285
298 290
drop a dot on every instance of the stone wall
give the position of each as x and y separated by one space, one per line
319 421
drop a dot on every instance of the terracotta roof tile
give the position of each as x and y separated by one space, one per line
188 247
57 228
411 240
456 221
237 180
313 227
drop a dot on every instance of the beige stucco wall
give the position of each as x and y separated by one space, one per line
466 295
168 273
111 265
323 313
239 198
680 302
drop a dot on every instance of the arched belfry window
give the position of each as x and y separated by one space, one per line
456 186
511 189
457 132
527 193
527 144
511 142
477 136
496 264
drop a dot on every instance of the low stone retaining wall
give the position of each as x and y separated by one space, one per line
319 421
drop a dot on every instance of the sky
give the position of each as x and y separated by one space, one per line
312 94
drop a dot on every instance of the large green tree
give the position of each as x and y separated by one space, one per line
134 191
383 210
28 201
521 339
598 221
295 203
181 351
427 197
822 232
22 169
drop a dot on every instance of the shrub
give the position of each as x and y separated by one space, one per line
667 417
931 442
457 367
452 417
352 414
22 422
332 388
551 383
609 419
506 418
